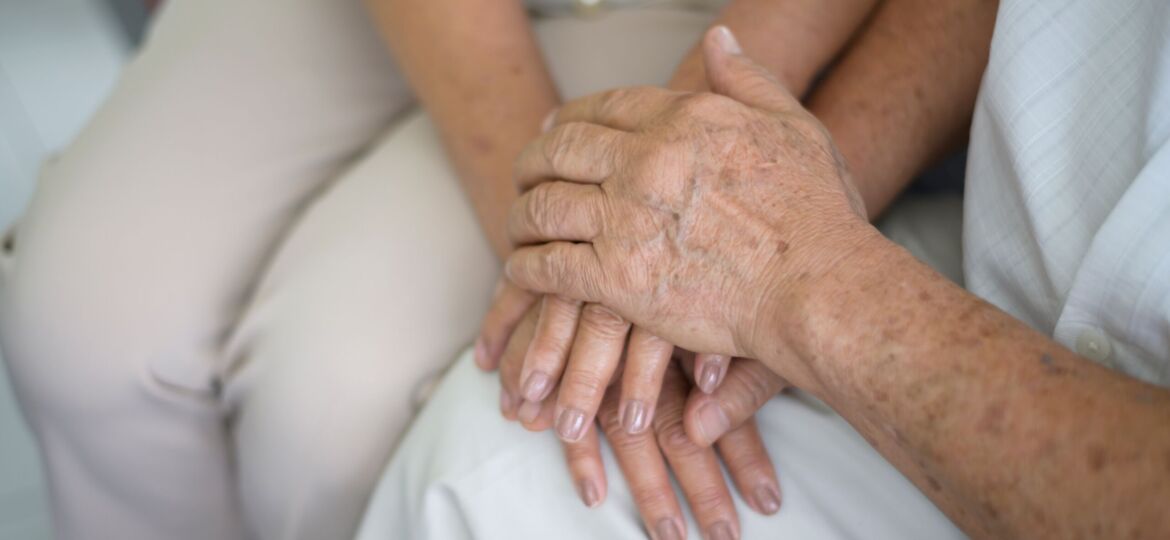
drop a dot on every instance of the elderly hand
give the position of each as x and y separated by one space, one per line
585 345
640 453
688 214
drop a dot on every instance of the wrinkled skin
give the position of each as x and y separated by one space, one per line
688 212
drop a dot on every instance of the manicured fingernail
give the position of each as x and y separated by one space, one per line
713 423
507 402
480 353
589 494
727 40
768 499
634 417
528 411
710 375
535 386
721 531
667 529
548 121
571 425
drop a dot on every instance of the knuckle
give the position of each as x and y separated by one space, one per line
578 452
547 350
657 159
582 383
707 497
699 105
626 444
537 212
560 145
562 313
610 421
604 321
615 98
749 391
754 465
550 266
673 440
652 495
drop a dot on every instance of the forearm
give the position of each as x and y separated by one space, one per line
794 39
1010 433
902 95
476 68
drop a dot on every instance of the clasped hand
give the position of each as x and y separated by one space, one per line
703 219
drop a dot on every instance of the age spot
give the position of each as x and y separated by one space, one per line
1096 459
1050 366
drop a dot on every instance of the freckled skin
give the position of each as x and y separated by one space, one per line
719 162
998 424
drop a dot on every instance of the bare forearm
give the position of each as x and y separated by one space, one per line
794 39
1010 433
476 68
902 95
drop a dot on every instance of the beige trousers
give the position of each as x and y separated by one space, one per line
226 290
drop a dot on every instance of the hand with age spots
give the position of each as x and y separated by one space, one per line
727 224
674 206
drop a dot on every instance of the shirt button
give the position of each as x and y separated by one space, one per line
1094 345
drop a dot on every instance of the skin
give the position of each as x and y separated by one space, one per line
1011 434
899 95
476 69
912 71
448 49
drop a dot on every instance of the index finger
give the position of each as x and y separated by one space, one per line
627 109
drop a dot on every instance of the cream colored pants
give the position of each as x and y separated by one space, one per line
226 290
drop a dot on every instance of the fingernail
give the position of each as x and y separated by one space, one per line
548 121
571 425
713 423
528 411
507 402
667 529
634 416
589 494
768 499
727 40
535 386
710 375
721 531
480 353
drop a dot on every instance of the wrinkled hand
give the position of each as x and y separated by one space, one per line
692 215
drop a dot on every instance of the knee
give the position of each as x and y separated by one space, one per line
62 334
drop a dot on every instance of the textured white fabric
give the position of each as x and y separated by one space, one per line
1068 180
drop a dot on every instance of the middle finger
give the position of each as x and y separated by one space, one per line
696 468
597 349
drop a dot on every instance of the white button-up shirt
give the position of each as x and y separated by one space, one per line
1068 181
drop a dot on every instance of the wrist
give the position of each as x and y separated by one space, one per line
793 330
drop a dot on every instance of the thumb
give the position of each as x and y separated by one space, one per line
736 76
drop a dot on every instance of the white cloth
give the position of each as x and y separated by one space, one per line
1068 180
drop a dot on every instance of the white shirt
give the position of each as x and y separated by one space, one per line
1068 182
